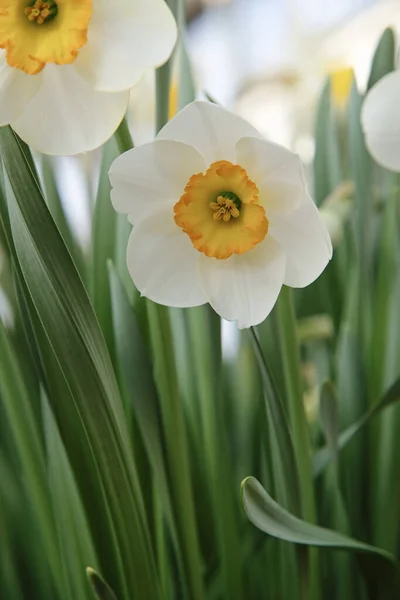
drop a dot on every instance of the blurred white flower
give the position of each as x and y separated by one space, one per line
220 215
67 66
380 119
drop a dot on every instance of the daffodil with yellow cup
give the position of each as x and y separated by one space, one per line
220 215
66 66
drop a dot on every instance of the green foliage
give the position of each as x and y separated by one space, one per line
126 430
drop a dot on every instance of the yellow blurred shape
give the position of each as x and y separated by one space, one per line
341 80
173 99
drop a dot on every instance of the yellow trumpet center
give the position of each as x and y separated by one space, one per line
220 211
62 32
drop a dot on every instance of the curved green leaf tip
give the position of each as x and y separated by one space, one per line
102 590
383 61
270 517
322 456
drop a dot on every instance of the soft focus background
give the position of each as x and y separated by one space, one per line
267 58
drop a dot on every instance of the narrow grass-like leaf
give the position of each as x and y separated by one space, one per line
72 331
176 446
186 86
285 465
329 417
328 175
101 589
384 357
16 402
10 582
324 455
360 165
336 517
270 517
293 390
55 205
206 367
137 384
123 230
384 367
383 60
327 158
103 244
284 468
74 537
290 356
140 393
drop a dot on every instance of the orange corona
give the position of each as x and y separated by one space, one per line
220 211
41 32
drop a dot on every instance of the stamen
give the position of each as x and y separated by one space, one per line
40 12
225 207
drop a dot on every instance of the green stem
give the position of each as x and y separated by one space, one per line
163 78
123 137
163 74
266 373
289 351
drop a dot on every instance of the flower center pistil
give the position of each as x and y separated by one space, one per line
221 212
39 12
226 206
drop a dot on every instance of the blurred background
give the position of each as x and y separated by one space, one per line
268 58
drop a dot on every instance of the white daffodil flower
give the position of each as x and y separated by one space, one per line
66 66
380 119
220 215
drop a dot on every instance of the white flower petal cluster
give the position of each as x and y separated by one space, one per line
164 264
380 119
70 108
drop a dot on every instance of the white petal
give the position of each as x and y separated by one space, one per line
245 287
212 130
152 176
163 263
305 240
16 90
67 116
277 172
124 39
380 119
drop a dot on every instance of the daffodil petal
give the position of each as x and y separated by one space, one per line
380 119
245 287
306 242
152 176
278 173
16 90
212 130
163 263
125 38
67 116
